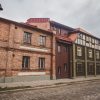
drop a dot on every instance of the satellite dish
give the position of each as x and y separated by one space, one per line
1 7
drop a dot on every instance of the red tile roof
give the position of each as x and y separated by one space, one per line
64 38
37 20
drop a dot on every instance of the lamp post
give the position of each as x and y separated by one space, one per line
1 7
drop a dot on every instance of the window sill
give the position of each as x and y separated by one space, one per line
42 46
41 69
27 44
25 69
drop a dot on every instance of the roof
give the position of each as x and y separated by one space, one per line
85 32
37 20
64 39
25 25
42 20
62 25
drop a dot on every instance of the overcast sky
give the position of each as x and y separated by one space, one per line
73 13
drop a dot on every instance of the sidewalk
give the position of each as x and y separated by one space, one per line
47 82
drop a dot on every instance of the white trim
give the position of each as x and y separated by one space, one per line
31 73
34 49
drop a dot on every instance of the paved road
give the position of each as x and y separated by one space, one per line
79 91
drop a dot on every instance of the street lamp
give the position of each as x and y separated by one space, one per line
1 7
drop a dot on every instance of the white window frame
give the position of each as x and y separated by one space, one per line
79 51
90 53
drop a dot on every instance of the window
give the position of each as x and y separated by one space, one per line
59 70
42 40
79 51
80 36
53 28
27 37
87 38
83 37
58 31
25 62
90 69
90 44
98 69
87 44
90 53
41 63
84 42
59 48
96 42
65 67
80 69
97 55
92 40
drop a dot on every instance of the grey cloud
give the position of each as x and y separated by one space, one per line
74 13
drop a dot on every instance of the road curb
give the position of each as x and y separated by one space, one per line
48 86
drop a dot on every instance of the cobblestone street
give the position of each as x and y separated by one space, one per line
80 91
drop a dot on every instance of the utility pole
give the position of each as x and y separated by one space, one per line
1 8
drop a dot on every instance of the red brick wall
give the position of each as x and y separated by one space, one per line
11 56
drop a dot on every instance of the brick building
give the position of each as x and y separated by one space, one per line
43 49
26 52
77 51
64 38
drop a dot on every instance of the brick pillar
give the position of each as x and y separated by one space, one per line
85 61
9 62
95 62
53 58
74 62
71 61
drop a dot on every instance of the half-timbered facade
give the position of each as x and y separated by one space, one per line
86 54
